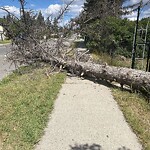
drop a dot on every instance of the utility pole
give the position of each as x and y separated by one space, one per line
135 38
148 59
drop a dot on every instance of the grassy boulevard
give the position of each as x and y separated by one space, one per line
137 113
26 101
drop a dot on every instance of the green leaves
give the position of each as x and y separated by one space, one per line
110 33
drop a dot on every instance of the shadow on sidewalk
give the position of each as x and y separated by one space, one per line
92 147
86 147
109 84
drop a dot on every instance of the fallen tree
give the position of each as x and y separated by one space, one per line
29 49
135 79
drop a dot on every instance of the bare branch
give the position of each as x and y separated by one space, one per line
63 10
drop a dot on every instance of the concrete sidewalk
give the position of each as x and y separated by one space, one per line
86 117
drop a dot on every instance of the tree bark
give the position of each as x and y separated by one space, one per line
136 79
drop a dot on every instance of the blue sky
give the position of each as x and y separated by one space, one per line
145 11
47 7
31 3
51 7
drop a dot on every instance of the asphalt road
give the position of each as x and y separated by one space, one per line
5 66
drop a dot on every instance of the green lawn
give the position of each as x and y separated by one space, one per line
26 101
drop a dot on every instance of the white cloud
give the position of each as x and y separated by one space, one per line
75 9
145 10
77 6
145 13
134 1
75 2
12 9
32 5
133 15
51 10
131 2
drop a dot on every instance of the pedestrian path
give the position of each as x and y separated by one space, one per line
86 117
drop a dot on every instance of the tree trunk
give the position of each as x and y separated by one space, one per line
136 79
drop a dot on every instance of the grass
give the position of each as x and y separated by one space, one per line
137 113
103 57
26 101
5 41
117 61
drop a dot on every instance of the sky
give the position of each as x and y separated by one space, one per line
47 7
145 11
52 7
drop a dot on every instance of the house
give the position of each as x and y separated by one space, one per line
2 36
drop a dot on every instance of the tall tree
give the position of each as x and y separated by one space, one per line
40 18
102 8
99 24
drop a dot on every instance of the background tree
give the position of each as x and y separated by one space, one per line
102 26
40 19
